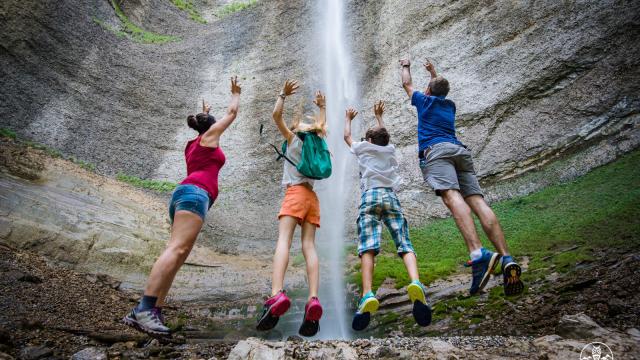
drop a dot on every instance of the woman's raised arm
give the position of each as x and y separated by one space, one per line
289 88
211 137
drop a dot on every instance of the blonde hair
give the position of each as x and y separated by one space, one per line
317 126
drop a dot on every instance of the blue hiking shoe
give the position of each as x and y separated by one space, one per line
511 272
367 306
421 310
481 270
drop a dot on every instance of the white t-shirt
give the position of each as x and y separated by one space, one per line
290 175
378 165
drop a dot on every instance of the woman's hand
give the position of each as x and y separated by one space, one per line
378 108
350 114
290 87
235 86
205 107
320 100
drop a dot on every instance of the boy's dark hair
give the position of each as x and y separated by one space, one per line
378 136
439 86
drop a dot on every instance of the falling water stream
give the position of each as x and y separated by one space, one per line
338 83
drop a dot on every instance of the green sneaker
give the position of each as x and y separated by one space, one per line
367 306
418 296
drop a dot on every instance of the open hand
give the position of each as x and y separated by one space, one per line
405 62
351 113
235 85
290 87
205 107
378 108
320 100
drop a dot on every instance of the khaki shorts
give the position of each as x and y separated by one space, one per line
447 166
301 203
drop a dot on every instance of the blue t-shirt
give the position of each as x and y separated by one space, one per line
436 120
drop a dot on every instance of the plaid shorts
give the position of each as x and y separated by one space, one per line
380 205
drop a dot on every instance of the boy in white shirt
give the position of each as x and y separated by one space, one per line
379 204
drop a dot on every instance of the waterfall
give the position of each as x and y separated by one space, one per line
339 85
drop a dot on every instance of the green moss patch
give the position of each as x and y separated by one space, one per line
234 7
188 7
156 185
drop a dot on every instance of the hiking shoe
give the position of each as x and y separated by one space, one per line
421 310
481 270
367 306
149 322
273 308
312 314
511 276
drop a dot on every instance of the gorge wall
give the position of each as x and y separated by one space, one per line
545 91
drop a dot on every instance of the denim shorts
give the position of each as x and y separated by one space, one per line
190 198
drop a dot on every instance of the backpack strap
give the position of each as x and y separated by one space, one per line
282 155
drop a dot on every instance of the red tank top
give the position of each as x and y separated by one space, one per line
203 166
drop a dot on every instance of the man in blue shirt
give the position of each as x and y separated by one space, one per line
447 166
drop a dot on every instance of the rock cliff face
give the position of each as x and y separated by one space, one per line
545 91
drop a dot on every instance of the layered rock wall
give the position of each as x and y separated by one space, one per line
545 91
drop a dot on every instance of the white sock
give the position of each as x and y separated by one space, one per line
475 254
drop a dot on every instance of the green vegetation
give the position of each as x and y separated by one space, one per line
8 133
556 227
187 5
235 6
133 31
54 153
85 165
157 185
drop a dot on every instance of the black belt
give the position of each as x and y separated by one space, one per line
423 154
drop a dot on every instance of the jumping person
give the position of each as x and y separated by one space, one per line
299 207
187 210
379 204
447 166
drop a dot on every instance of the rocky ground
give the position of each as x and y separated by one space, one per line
600 288
50 312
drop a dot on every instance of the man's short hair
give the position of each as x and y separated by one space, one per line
439 86
378 136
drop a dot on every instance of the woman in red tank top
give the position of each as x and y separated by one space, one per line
187 211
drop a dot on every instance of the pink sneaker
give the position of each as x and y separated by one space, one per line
273 308
312 314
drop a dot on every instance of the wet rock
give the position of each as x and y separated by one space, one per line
104 279
90 353
22 276
254 349
5 336
580 326
35 352
5 356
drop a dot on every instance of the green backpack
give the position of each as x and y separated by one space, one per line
315 160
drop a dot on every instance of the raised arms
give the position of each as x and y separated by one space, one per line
407 84
430 69
321 103
350 113
211 137
378 110
289 88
